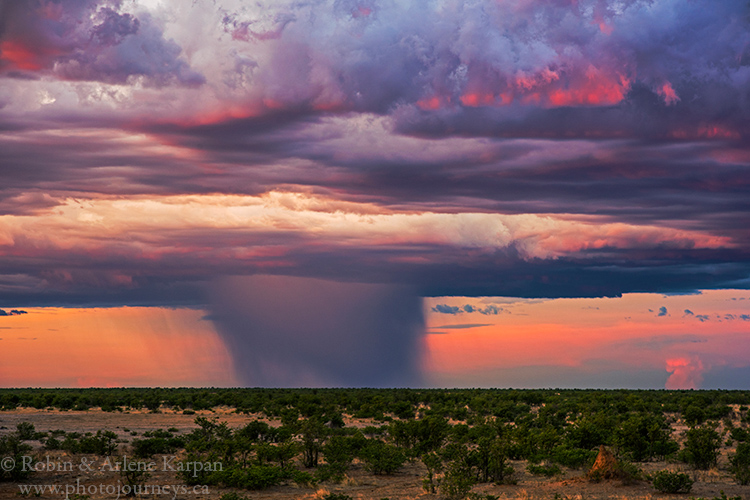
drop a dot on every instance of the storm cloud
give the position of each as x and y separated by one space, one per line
88 40
534 149
308 332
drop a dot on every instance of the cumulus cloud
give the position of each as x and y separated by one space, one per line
662 311
685 373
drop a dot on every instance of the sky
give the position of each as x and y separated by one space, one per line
278 193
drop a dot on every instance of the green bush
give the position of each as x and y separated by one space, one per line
303 478
25 431
740 464
645 436
382 458
544 470
672 482
338 453
11 446
694 415
490 460
52 443
337 496
256 477
232 496
722 497
434 465
104 443
701 447
575 458
458 480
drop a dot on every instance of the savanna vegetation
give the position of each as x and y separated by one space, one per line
459 438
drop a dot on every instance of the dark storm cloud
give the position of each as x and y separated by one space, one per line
128 273
670 151
695 185
88 40
521 69
296 332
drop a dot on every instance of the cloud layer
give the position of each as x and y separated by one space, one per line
552 148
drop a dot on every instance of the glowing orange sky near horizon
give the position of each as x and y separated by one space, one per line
141 346
627 334
109 347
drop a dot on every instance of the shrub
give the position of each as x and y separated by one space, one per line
104 443
303 478
645 436
722 497
627 472
382 458
337 496
434 465
338 453
256 477
25 431
232 496
672 482
740 464
544 470
313 433
701 447
11 446
52 443
134 477
458 480
145 448
575 458
490 460
694 415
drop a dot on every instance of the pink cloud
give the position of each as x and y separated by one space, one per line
668 94
685 373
